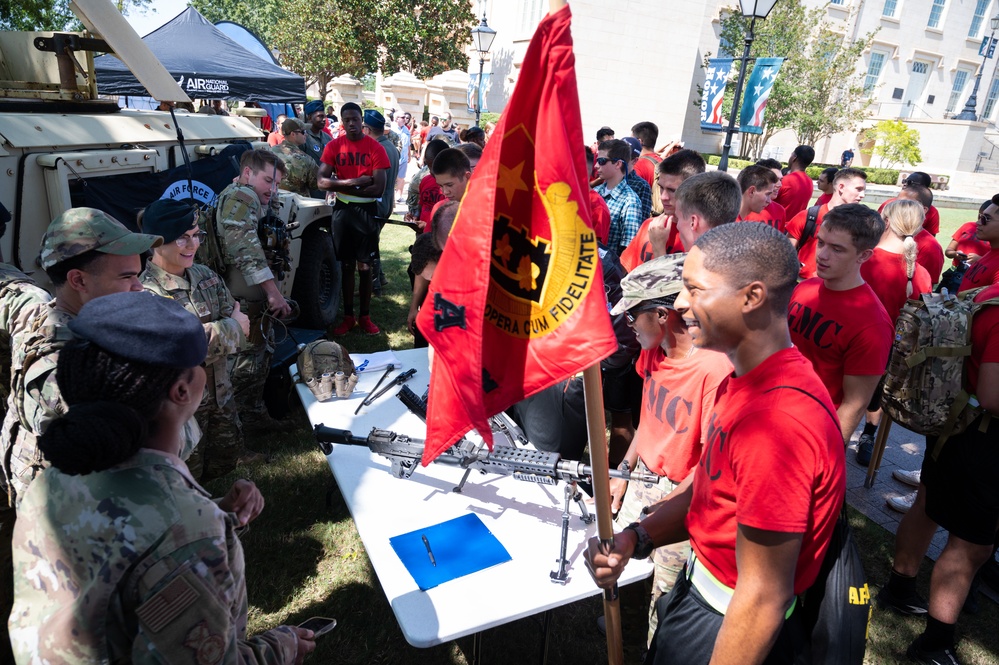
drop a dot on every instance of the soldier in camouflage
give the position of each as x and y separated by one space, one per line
172 273
18 292
120 555
301 169
250 277
86 254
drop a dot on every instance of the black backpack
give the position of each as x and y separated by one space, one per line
811 222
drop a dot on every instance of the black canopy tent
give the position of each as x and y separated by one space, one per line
207 65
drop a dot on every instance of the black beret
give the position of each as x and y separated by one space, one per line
141 326
169 218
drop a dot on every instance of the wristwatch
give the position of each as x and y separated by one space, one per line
643 545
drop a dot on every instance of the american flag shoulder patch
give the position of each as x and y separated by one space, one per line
167 604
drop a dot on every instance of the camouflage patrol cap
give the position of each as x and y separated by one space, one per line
655 279
80 230
292 124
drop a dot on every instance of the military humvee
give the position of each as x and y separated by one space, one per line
61 147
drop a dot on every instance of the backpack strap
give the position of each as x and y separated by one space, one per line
811 222
650 159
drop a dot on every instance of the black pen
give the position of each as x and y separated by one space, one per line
430 552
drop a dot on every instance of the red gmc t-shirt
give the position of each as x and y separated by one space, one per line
929 254
806 252
840 332
795 192
645 167
677 398
968 242
773 460
931 223
773 215
601 216
885 273
639 250
983 272
353 159
822 199
984 337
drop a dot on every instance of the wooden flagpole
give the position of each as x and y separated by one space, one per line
597 431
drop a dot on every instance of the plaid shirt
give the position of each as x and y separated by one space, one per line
644 192
625 214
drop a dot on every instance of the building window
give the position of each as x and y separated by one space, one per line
531 13
960 80
889 8
990 101
874 68
836 2
936 11
976 20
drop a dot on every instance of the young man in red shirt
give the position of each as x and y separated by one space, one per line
849 186
985 271
678 392
919 179
774 214
670 173
757 184
756 542
647 134
848 350
354 167
796 188
959 491
824 183
702 202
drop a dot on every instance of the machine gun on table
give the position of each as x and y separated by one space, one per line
536 466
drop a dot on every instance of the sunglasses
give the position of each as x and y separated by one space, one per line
603 160
298 131
648 306
984 219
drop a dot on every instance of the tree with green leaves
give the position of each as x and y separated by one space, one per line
819 91
44 15
895 143
356 37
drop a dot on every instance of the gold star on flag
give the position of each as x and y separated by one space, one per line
511 181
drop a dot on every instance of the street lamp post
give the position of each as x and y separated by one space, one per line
754 9
969 112
482 38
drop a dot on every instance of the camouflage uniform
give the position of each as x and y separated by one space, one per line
17 292
140 566
245 268
203 293
302 169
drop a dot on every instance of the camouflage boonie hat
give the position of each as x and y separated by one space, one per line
659 278
80 230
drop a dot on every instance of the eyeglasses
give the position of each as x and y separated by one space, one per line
985 219
603 160
185 241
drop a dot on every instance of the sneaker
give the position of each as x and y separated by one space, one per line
602 625
345 326
367 326
914 605
901 503
917 654
910 478
865 448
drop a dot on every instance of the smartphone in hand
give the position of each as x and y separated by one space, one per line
319 626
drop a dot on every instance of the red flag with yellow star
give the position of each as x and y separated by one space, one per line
517 301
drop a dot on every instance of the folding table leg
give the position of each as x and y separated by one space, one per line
477 649
546 629
879 450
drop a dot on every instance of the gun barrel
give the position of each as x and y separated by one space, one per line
325 434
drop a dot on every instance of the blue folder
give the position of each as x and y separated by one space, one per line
460 547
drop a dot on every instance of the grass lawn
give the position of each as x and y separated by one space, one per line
304 557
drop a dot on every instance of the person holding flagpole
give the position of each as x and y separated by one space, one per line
756 543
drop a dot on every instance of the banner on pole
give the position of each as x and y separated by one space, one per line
758 88
476 95
712 118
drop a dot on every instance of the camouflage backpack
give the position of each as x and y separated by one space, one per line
924 383
326 368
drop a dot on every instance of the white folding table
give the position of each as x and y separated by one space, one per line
525 517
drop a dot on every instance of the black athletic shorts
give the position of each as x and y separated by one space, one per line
355 231
876 397
622 390
688 627
962 485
